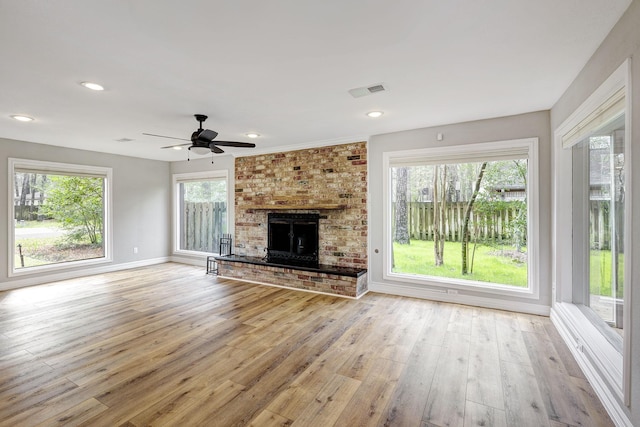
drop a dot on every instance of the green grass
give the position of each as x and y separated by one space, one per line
489 265
53 250
48 223
31 248
600 273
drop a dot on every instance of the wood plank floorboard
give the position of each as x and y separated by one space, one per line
168 345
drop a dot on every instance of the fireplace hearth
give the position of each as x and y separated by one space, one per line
293 238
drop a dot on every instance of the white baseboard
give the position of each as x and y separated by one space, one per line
459 298
72 274
609 400
197 261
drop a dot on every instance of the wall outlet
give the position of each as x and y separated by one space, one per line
135 249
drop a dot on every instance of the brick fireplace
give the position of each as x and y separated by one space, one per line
328 181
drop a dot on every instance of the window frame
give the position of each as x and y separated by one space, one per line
179 178
62 169
497 150
594 352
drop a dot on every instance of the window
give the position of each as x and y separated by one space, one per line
59 215
599 224
461 216
201 203
592 238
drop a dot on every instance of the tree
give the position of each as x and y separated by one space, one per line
439 211
205 191
402 211
43 185
519 223
467 216
77 203
28 185
23 196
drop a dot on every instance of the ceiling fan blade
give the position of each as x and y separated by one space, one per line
177 145
216 149
234 144
164 136
207 135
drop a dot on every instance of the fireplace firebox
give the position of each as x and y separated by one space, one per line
293 238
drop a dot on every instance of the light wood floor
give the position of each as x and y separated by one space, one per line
170 346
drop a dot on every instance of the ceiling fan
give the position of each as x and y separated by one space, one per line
202 140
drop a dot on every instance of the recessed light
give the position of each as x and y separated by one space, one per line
252 134
22 118
92 86
375 114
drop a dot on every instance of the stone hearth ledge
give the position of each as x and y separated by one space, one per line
334 280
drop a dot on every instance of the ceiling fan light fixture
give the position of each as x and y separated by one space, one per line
22 118
252 135
92 86
200 150
375 114
203 140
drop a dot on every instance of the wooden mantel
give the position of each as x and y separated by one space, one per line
314 206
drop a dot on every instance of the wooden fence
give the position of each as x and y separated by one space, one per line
599 221
26 213
496 226
493 227
202 226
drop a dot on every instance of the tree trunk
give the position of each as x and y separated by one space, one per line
32 209
402 211
23 196
467 216
439 212
43 185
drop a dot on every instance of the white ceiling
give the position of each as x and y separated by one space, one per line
281 68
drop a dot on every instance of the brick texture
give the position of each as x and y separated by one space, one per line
302 179
292 278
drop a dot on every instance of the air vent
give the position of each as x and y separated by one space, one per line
367 90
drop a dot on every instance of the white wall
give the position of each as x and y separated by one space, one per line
505 128
622 42
141 200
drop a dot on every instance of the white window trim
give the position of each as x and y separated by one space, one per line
59 168
613 367
195 176
453 153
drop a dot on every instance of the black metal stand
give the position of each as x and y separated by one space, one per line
212 265
226 243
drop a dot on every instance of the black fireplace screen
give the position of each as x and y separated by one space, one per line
293 238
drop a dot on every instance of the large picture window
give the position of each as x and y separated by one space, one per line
599 224
461 216
59 215
201 211
592 226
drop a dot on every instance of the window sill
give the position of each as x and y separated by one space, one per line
444 284
71 265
